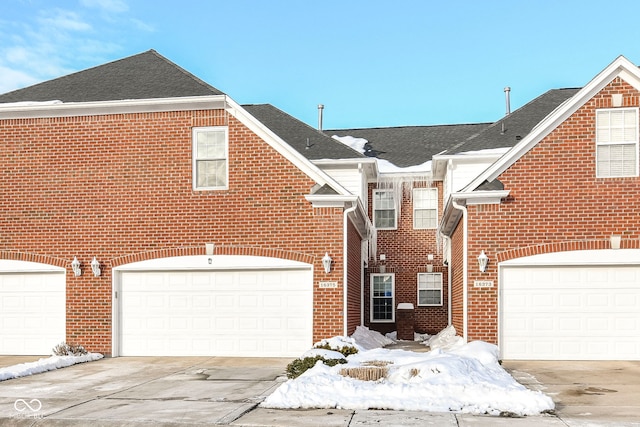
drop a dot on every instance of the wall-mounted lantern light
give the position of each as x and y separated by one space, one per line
326 262
95 267
75 266
483 260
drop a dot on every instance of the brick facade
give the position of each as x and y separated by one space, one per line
556 203
406 250
119 187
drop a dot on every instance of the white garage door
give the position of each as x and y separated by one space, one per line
252 313
32 312
570 312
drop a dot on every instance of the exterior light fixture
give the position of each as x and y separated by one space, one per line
95 267
483 260
75 266
326 262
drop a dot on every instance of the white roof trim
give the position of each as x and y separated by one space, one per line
21 110
301 162
620 67
481 197
330 200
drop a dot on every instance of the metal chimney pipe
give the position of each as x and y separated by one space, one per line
507 91
320 108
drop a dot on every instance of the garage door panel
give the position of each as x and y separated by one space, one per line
227 313
32 312
578 312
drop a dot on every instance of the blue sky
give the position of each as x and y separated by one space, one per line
371 63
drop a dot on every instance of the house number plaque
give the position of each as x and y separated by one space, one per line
483 284
328 285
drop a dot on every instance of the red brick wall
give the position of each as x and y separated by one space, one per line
119 187
406 253
556 203
457 277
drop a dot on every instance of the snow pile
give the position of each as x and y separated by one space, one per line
446 339
45 364
467 379
368 339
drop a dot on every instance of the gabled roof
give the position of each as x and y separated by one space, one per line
147 75
311 143
621 67
411 145
513 127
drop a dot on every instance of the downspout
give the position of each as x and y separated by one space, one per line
449 316
345 257
464 266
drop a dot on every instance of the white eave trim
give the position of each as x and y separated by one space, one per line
330 200
620 67
481 197
67 109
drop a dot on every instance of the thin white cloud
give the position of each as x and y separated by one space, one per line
13 79
115 6
65 20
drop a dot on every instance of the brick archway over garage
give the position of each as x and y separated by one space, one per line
39 258
576 245
218 250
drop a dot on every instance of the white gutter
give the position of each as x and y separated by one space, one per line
345 256
464 267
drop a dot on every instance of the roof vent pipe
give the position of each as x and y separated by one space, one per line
507 96
320 108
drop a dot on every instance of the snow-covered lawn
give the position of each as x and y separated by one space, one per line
44 365
452 376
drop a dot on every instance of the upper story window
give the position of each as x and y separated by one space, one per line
616 142
382 297
429 289
425 208
210 158
384 210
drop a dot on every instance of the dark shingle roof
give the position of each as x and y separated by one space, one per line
143 76
507 131
411 145
311 143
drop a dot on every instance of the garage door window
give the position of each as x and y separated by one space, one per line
382 298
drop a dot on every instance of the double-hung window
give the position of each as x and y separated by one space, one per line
425 208
429 289
210 158
384 210
382 297
616 142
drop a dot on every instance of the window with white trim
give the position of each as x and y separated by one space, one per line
429 289
210 158
425 208
616 142
382 297
384 210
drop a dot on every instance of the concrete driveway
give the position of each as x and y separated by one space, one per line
585 393
153 390
198 391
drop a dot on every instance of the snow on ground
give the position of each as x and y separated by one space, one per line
44 365
455 377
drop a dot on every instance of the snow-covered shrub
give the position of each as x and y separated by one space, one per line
64 349
301 365
346 350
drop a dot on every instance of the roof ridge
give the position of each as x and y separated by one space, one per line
182 70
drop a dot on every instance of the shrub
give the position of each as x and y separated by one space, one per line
64 349
299 366
346 350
